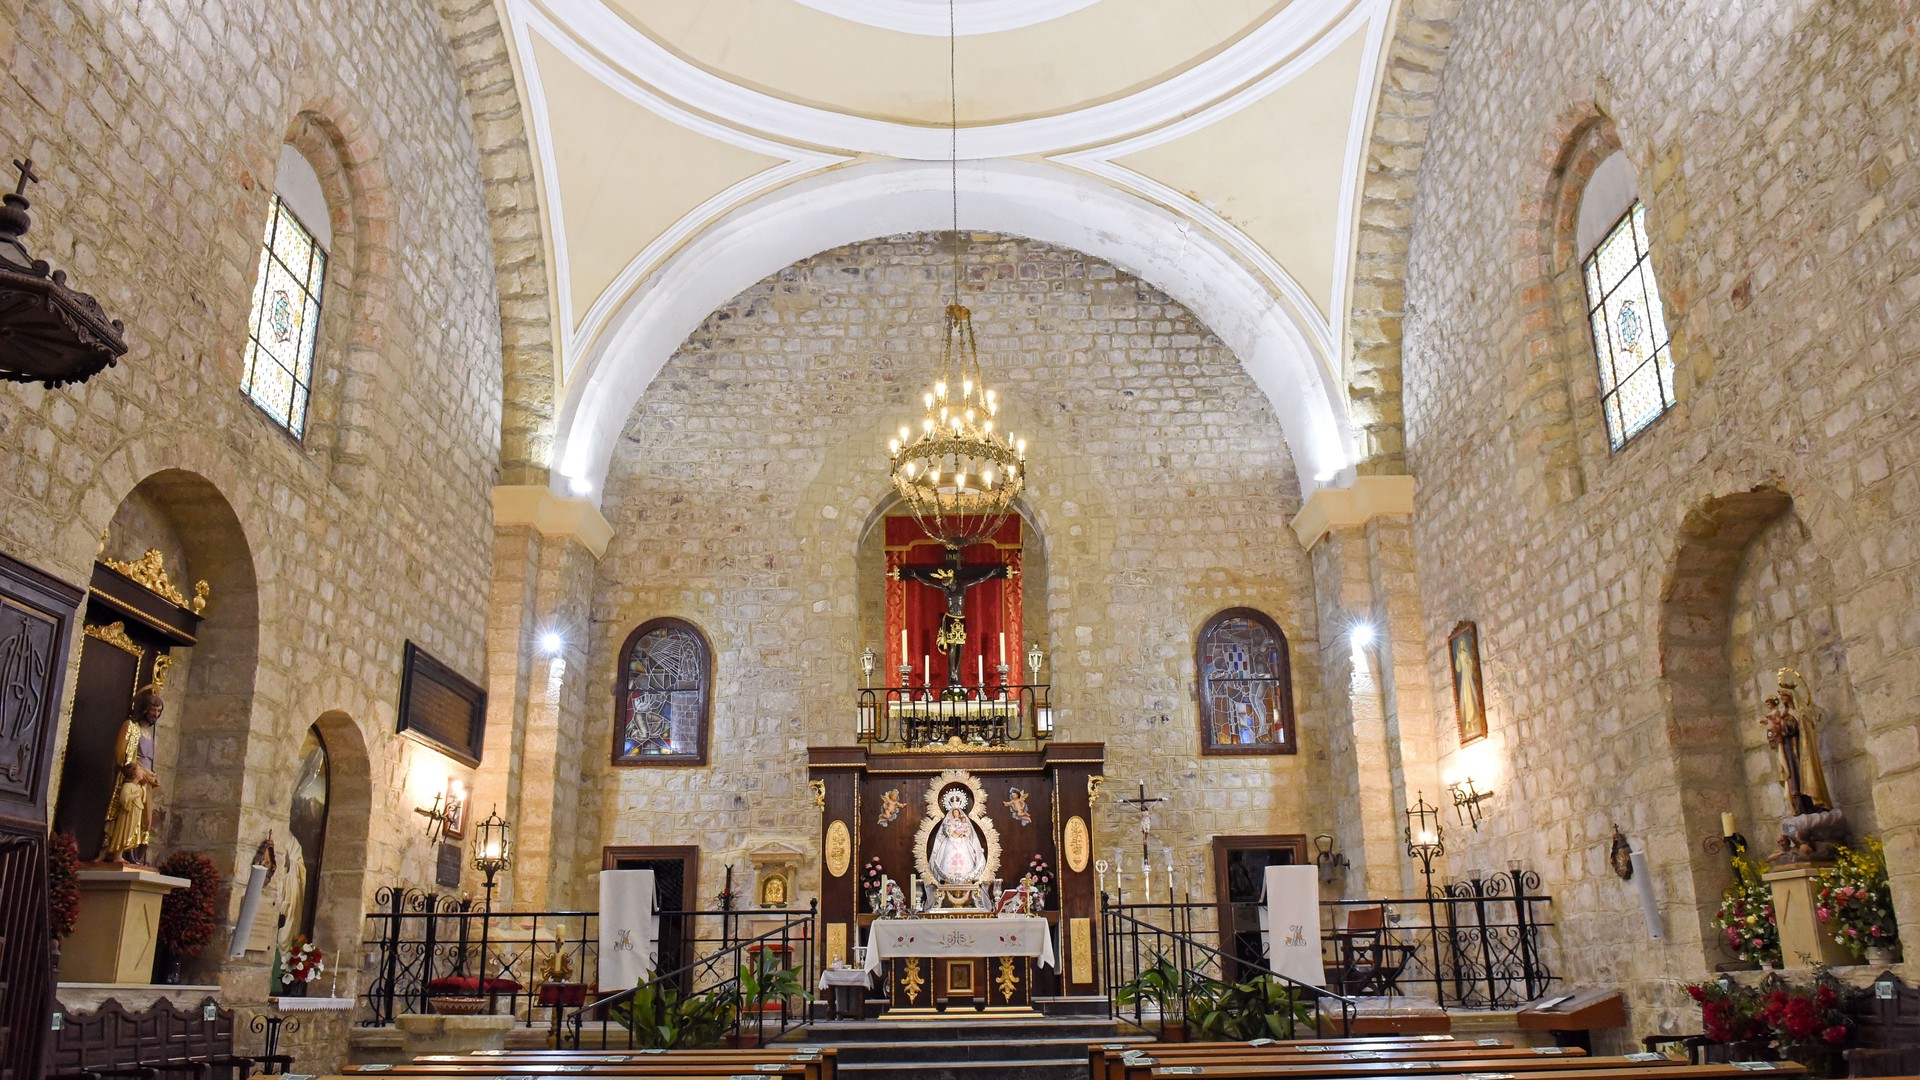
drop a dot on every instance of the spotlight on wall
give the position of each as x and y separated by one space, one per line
551 642
1362 635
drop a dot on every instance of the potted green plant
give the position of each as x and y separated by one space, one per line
1262 1007
763 984
1161 985
1856 903
661 1018
188 917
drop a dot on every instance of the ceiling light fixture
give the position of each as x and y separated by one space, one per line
958 476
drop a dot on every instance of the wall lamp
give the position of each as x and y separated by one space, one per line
1329 861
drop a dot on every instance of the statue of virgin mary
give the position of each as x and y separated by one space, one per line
957 857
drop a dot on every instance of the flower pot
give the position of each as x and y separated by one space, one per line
458 1006
1173 1031
1882 956
296 988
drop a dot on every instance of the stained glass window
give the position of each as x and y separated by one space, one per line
1629 330
1245 685
666 674
278 370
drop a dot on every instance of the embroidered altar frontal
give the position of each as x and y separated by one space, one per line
943 963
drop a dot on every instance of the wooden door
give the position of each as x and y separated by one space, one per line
36 618
1239 869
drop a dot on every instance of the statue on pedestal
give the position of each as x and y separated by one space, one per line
1813 827
130 810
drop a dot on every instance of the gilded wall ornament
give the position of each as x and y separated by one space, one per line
819 789
115 634
1076 844
1008 981
890 807
149 571
839 849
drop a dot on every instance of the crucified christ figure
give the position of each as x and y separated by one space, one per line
953 580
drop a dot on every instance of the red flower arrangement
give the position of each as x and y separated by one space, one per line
1808 1020
63 883
1729 1012
187 916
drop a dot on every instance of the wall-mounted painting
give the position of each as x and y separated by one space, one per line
1469 702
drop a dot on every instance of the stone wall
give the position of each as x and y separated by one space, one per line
156 128
1775 154
1161 488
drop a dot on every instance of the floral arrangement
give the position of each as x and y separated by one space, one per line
187 916
302 962
1729 1012
1854 900
63 883
1745 918
871 875
1808 1021
1042 878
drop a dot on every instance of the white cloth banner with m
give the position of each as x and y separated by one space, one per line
629 928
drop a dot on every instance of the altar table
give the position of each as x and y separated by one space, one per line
983 962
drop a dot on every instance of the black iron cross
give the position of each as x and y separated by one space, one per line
27 175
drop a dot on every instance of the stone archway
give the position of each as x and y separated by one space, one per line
339 913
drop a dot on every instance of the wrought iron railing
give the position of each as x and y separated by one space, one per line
723 963
1480 944
1477 944
416 937
1166 949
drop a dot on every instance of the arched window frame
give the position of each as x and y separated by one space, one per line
1282 679
298 221
1624 306
621 709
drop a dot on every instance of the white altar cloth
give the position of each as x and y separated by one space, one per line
1001 935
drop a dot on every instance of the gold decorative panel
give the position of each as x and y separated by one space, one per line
839 849
836 941
1076 844
1080 950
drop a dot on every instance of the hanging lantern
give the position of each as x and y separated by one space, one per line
49 333
492 846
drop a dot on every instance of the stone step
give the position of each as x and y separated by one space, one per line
966 1051
1052 1069
961 1027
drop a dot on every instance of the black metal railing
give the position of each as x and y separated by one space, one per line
1476 944
730 958
417 937
1163 954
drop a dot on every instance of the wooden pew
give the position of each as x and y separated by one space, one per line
675 1064
1103 1059
1338 1064
825 1056
1562 1068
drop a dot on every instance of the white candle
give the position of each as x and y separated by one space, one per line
1726 824
928 677
980 670
903 644
1003 646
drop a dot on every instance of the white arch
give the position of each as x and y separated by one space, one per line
929 17
883 198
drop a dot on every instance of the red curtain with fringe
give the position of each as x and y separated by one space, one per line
992 608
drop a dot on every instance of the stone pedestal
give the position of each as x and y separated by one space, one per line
452 1034
1802 939
113 940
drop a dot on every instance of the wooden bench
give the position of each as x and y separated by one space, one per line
672 1063
1568 1068
1103 1059
825 1056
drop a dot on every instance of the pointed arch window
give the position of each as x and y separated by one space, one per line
1245 684
665 695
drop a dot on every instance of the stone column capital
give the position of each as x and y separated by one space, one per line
1350 507
538 508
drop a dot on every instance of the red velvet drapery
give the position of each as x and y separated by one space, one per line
993 607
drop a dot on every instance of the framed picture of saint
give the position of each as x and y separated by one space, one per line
1469 702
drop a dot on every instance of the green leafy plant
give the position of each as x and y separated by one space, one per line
766 981
661 1018
1158 984
1854 900
1262 1007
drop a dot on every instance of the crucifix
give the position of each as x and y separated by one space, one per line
953 580
1144 807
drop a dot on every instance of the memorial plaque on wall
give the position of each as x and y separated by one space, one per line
447 873
440 707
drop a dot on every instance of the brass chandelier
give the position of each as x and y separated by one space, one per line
958 475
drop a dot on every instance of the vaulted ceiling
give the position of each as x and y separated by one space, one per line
686 150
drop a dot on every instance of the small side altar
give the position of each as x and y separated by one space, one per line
114 940
941 962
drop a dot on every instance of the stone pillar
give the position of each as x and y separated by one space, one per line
1381 744
544 553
